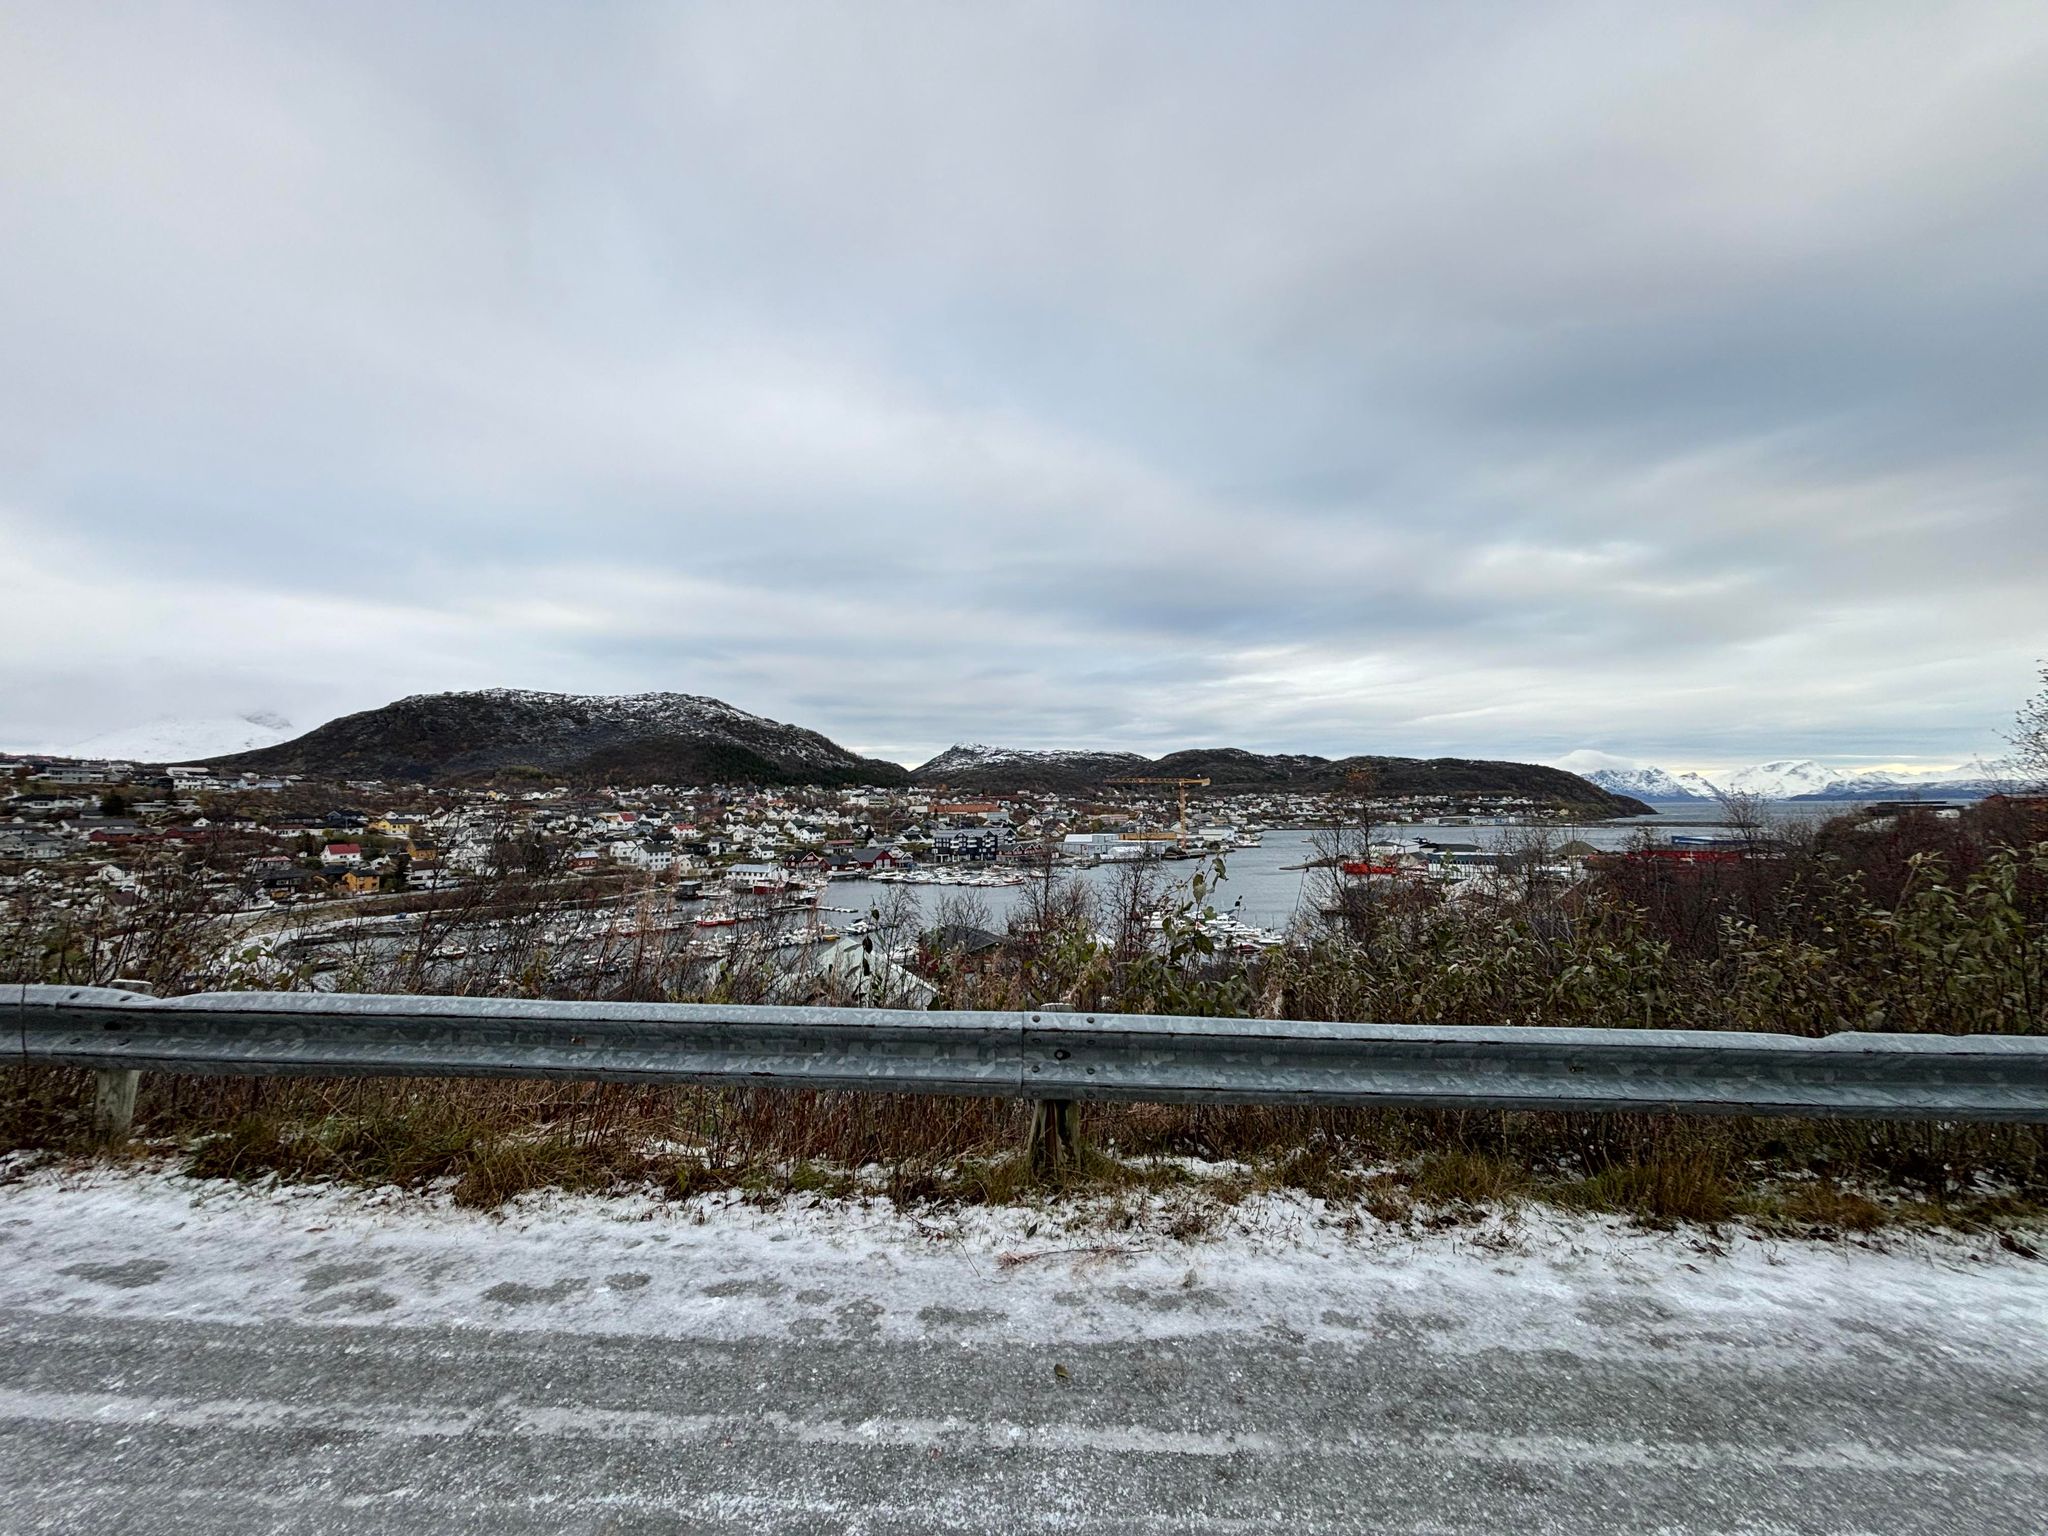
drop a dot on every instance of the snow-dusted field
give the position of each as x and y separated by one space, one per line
307 1358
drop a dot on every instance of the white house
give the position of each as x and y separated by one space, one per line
657 858
759 876
1088 845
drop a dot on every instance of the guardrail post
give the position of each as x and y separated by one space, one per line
1052 1144
113 1088
113 1105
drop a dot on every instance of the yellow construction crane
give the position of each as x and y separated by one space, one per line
1180 785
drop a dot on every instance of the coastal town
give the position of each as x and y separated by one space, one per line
288 862
297 839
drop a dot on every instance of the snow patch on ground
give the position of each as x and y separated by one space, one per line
110 1242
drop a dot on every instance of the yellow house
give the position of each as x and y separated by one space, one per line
360 882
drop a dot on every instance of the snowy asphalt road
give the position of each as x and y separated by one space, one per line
120 1425
274 1364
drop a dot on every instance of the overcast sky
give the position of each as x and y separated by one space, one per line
1490 380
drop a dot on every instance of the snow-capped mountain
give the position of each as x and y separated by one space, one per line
1651 783
1805 779
1793 778
172 740
1800 778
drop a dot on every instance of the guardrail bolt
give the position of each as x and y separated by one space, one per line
113 1105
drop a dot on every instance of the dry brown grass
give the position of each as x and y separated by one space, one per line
1660 1192
1827 1208
1468 1178
490 1141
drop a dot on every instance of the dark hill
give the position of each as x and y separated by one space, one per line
671 738
999 768
993 770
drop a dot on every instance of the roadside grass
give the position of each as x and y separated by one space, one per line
1662 1192
1919 924
1179 1170
1468 1178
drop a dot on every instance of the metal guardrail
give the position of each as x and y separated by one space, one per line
1041 1055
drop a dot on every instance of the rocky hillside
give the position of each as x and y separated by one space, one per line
670 738
991 770
972 766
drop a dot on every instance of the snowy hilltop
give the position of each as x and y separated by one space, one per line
647 738
172 740
973 755
1652 783
1785 779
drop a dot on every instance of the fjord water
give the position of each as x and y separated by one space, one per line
1266 885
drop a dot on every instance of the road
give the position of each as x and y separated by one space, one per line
339 1369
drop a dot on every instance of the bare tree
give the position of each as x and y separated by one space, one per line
959 910
1133 896
896 922
1049 925
1747 817
1348 901
1525 862
2029 738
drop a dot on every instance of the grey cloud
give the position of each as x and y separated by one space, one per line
1128 378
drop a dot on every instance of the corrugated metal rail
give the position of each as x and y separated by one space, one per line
1040 1055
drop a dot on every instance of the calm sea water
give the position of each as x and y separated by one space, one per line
1266 885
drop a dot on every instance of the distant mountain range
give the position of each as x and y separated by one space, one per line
679 738
1787 779
990 770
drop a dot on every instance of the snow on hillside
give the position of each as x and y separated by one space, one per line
174 740
1805 779
1650 783
1785 779
1788 777
691 716
1626 776
661 709
973 754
